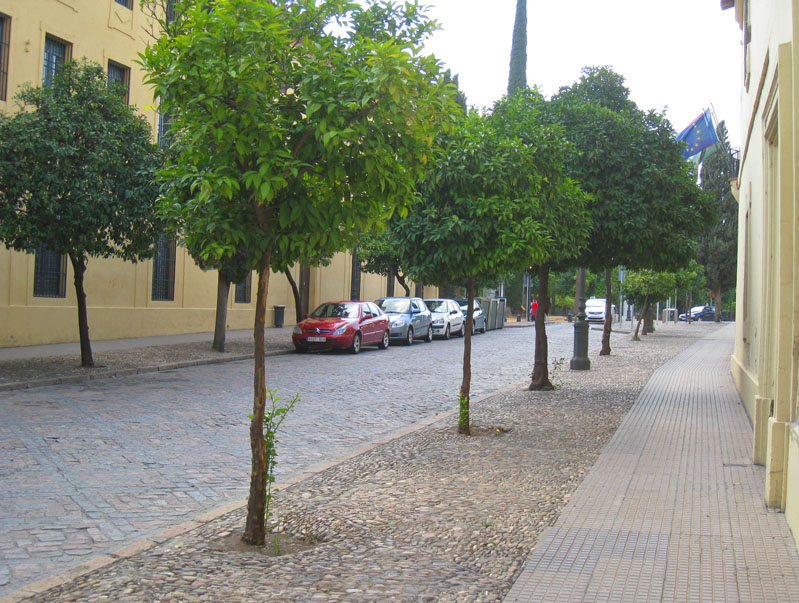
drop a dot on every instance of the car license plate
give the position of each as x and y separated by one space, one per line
317 339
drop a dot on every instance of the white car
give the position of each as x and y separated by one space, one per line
447 317
595 309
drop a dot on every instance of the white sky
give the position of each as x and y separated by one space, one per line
677 55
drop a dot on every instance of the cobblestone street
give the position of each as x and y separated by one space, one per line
88 468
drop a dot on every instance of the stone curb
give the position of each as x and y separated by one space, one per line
127 551
126 372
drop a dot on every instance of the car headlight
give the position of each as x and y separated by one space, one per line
397 323
438 322
297 330
340 331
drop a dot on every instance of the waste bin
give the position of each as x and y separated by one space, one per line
499 318
280 312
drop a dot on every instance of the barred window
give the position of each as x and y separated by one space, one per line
244 290
49 274
164 270
56 53
5 30
126 3
170 11
119 75
163 129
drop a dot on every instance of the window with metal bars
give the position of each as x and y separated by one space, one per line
163 129
164 270
170 11
56 53
244 290
5 31
119 75
49 274
126 3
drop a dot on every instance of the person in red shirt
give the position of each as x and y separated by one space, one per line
533 309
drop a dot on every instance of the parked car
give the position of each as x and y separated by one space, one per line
410 319
447 317
479 319
595 309
701 313
344 324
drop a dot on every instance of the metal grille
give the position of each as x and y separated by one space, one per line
170 11
5 28
49 274
55 55
390 285
126 3
119 75
163 129
244 290
355 276
164 270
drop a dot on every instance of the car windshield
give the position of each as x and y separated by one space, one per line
396 306
437 305
342 310
595 302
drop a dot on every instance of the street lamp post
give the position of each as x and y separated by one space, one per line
580 360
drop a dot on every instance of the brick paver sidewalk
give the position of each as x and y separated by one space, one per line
673 509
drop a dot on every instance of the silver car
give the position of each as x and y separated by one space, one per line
447 318
410 318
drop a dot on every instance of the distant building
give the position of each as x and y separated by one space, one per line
168 294
765 363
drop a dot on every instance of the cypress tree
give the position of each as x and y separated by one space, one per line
518 51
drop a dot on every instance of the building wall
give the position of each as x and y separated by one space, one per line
119 294
765 362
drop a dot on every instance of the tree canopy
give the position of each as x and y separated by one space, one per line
297 124
77 175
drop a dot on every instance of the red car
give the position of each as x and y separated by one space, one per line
344 324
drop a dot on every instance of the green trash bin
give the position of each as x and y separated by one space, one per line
280 313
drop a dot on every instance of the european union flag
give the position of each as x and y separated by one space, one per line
699 135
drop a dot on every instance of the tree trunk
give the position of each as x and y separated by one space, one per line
463 417
640 318
255 528
222 294
605 351
79 268
717 298
403 284
295 290
540 380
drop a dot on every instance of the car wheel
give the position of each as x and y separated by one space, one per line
300 349
429 337
446 332
484 327
356 343
384 343
462 332
473 329
409 338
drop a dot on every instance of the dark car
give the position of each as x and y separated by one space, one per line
410 318
478 316
705 313
344 324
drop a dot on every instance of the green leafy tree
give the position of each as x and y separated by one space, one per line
381 252
517 80
718 247
476 219
230 269
560 210
643 286
294 134
77 176
646 207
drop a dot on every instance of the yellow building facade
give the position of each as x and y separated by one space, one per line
168 295
765 363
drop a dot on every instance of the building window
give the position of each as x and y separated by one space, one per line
119 75
5 30
164 270
244 290
355 276
126 3
56 53
163 129
418 290
49 274
390 285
